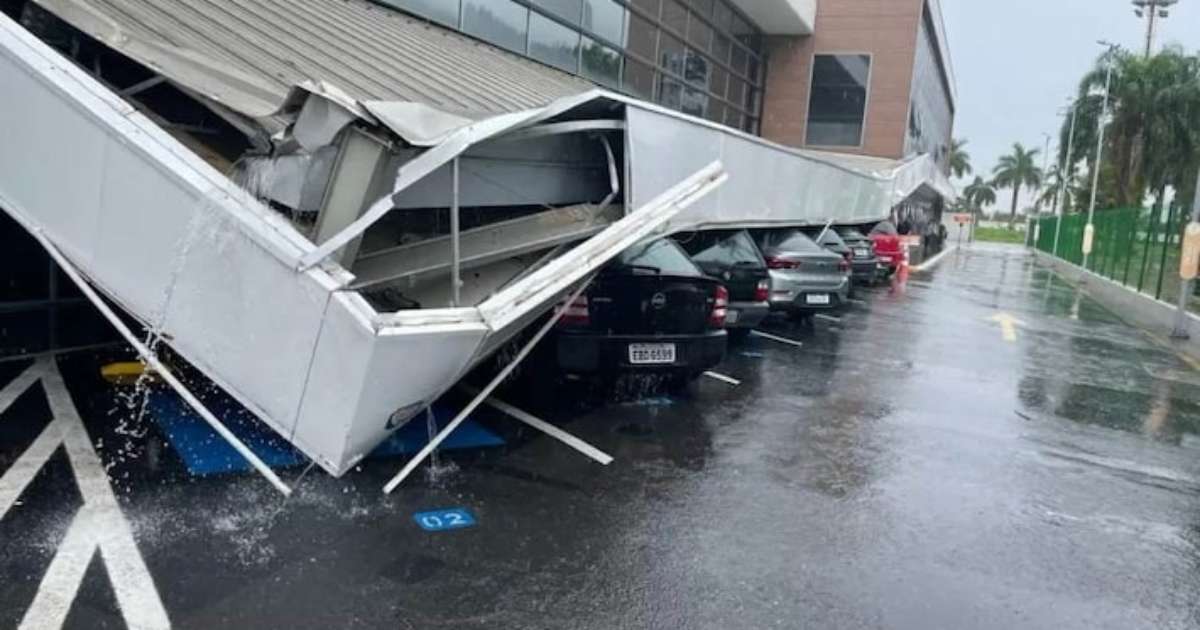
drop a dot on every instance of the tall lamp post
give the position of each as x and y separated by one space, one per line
1152 10
1089 232
1060 202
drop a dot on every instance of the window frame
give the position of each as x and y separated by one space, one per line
812 73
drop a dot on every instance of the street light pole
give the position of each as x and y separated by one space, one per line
1152 10
1061 202
1089 232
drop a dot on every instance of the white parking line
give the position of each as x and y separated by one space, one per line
857 301
828 318
724 379
764 335
98 526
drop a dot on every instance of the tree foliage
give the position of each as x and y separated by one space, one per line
1016 170
1152 137
959 160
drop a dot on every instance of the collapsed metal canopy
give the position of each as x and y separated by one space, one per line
247 54
424 82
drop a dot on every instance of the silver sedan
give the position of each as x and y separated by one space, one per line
805 277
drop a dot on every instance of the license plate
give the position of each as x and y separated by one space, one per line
817 298
860 253
731 317
651 353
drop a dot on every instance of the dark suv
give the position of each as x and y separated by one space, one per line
732 257
649 310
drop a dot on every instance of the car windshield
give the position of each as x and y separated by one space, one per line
851 235
885 227
661 256
798 242
734 249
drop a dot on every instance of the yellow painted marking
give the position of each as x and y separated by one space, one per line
1008 325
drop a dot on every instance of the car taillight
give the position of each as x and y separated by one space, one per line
775 262
575 313
843 265
762 291
720 309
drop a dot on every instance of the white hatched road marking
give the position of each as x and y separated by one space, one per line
98 526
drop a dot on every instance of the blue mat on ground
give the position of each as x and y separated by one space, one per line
205 453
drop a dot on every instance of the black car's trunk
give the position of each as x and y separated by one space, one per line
625 303
740 280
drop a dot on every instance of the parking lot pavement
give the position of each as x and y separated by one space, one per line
981 448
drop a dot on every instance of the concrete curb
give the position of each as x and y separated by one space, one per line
1153 316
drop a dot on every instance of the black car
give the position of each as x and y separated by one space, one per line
864 264
650 310
732 257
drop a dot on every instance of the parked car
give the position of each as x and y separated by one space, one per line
888 247
865 265
733 257
804 276
650 310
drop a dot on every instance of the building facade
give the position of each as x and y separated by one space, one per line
871 77
874 78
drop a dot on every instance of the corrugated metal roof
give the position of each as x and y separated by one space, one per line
247 54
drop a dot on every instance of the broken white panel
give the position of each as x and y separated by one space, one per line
769 185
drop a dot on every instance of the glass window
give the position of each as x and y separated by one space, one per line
606 19
720 48
838 100
442 11
723 17
733 118
694 101
553 43
718 81
671 54
569 10
601 63
670 92
663 255
674 16
501 22
737 92
743 32
716 111
703 7
638 78
643 38
700 34
739 61
695 69
650 7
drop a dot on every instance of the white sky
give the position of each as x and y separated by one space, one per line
1018 61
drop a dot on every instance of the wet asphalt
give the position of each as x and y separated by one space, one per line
906 468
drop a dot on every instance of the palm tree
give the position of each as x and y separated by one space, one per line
979 193
1152 140
1017 170
958 159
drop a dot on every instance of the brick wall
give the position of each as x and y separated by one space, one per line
885 29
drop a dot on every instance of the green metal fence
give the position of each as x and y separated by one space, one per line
1138 247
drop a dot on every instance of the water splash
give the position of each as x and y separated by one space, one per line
437 473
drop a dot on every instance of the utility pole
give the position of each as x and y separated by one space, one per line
1152 10
1089 232
1064 177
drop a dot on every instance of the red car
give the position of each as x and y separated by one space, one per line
888 246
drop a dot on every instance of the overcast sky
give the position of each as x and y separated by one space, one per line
1018 61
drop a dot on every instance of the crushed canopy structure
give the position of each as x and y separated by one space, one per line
337 251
